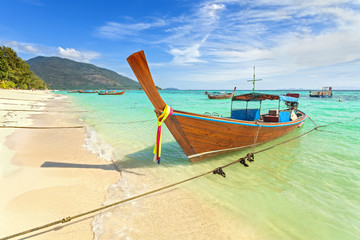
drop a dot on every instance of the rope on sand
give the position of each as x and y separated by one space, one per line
149 120
25 127
29 105
249 157
19 99
34 110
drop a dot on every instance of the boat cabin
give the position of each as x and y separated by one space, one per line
255 111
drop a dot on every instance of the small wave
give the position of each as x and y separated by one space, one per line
97 145
102 223
60 97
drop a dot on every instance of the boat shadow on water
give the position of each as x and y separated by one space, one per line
173 156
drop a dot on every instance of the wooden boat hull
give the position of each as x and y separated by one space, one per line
324 93
202 136
210 136
321 94
115 93
84 91
220 96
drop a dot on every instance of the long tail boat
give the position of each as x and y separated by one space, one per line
221 95
88 91
114 92
203 136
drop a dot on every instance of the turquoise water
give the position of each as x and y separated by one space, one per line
305 189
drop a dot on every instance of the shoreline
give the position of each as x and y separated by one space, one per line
51 175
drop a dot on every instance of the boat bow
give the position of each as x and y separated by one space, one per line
138 64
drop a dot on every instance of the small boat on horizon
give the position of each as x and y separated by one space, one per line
323 93
203 136
88 91
72 91
220 95
111 92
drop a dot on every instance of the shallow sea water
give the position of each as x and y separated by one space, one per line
305 189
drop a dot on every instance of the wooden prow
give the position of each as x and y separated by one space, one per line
138 64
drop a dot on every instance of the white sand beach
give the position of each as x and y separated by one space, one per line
45 173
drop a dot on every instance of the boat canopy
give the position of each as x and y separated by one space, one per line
262 96
288 99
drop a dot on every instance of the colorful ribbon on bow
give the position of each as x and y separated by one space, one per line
168 111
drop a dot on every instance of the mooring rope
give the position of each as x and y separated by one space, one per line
29 105
249 157
313 122
149 120
33 110
256 137
19 99
41 127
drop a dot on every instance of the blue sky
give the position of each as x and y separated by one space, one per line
194 44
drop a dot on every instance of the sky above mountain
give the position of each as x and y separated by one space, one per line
194 44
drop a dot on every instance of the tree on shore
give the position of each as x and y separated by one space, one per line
16 73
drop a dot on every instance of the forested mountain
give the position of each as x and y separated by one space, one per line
16 73
61 73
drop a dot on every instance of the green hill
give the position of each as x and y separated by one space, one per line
61 73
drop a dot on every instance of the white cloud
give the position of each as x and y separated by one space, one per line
69 52
322 50
291 34
189 54
211 10
21 47
32 50
83 56
114 30
281 38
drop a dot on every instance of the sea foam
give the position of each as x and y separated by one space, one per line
103 222
97 145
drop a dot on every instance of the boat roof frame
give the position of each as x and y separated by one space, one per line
262 96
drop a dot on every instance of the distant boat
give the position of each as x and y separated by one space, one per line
111 92
220 95
72 91
295 95
202 136
88 91
325 92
